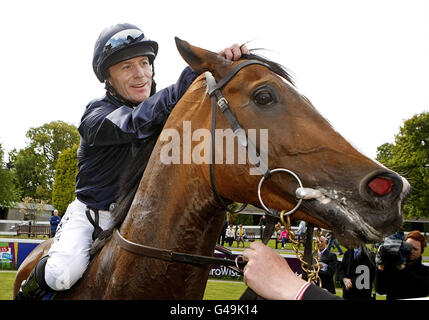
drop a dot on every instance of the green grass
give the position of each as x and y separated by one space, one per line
24 236
224 290
215 290
6 284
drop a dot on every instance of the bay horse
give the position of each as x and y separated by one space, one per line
172 205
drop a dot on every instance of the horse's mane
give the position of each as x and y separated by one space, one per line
131 180
132 177
128 187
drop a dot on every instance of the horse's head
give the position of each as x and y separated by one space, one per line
357 198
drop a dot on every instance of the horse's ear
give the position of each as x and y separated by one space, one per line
201 60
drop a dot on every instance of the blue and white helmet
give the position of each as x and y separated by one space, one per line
118 43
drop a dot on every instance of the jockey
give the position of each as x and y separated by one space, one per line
112 128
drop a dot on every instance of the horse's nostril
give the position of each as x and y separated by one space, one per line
381 186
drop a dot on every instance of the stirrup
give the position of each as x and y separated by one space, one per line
35 287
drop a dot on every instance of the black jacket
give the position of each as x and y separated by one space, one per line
327 276
410 282
110 135
355 269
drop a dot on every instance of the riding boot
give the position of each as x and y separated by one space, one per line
35 287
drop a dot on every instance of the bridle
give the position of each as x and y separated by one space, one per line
214 90
217 99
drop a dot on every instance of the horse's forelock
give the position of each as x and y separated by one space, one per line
274 66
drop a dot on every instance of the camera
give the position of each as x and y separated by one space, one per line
393 252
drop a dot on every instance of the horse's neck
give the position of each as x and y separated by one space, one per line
173 209
174 206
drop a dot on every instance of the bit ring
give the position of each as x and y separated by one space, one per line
262 181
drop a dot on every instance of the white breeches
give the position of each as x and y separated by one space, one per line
69 253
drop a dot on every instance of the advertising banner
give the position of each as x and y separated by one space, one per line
7 256
12 254
224 272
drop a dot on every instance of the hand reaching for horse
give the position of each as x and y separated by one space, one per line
268 274
234 52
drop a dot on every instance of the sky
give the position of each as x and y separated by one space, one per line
363 64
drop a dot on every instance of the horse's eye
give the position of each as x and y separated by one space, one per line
263 97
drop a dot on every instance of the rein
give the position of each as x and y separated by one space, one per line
169 255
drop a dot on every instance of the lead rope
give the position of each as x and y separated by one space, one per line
312 270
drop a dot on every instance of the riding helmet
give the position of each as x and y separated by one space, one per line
118 43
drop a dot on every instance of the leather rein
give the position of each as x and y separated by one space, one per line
169 255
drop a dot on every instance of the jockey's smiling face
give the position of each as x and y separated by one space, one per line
132 78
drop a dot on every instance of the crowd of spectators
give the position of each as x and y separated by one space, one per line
394 269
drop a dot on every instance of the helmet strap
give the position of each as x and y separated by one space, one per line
153 88
112 93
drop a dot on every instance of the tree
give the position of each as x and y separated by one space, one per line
9 193
65 177
31 173
35 165
409 156
32 209
52 138
384 153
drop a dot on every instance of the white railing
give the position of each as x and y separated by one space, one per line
257 230
6 230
